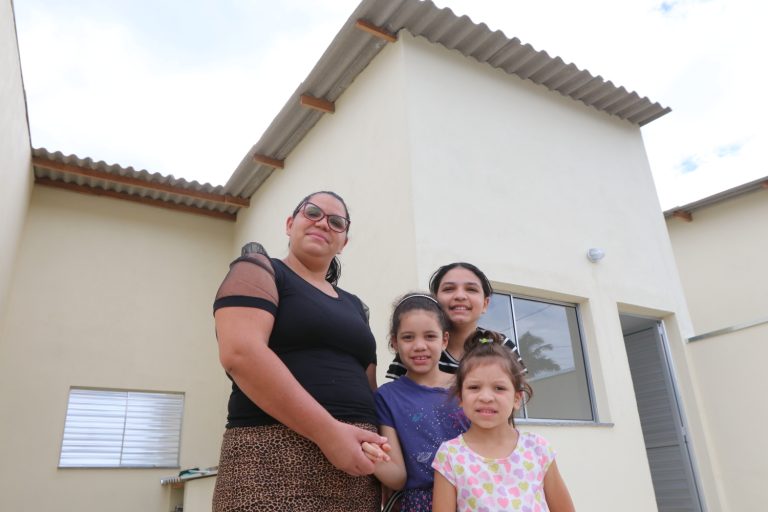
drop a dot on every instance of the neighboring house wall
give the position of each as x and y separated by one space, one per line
440 159
107 294
15 151
721 257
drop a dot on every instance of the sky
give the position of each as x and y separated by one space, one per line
186 87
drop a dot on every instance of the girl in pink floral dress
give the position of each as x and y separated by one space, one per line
493 466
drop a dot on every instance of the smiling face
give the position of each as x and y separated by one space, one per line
419 342
461 295
315 239
488 395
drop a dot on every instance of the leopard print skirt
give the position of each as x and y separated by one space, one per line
272 468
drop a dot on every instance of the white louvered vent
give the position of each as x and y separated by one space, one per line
112 428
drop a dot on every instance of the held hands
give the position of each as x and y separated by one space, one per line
389 467
376 452
342 444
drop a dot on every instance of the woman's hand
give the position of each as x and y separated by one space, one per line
342 446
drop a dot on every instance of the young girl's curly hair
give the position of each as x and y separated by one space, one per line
481 348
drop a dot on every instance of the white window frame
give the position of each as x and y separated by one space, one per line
589 397
113 428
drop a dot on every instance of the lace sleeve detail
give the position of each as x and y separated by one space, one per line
250 282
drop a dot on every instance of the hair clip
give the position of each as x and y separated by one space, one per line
417 295
485 340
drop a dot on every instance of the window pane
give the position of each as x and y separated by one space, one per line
498 316
549 341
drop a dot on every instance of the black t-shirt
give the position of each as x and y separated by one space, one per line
324 341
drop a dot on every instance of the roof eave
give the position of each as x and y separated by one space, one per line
685 212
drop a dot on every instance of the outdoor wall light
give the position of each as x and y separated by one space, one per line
595 254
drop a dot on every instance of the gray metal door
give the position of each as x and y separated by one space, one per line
660 417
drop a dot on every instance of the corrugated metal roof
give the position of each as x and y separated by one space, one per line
85 174
353 49
686 210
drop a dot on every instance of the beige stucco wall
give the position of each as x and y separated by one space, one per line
197 494
111 294
721 256
15 150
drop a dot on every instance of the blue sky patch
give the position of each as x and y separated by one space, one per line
728 150
688 165
666 7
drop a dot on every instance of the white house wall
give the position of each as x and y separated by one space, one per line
107 294
522 182
15 150
721 256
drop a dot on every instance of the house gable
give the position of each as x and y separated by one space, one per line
355 46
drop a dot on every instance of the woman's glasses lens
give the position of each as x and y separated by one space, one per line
335 222
313 212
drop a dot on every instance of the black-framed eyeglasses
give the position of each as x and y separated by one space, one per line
314 213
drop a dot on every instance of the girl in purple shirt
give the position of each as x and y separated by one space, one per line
416 412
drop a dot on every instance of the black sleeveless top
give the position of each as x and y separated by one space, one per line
324 341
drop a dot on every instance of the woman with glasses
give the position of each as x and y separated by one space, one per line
302 360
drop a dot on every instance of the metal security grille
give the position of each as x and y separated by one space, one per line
109 428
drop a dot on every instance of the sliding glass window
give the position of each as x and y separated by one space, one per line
550 343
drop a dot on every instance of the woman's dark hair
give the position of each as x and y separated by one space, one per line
437 277
416 301
334 269
482 347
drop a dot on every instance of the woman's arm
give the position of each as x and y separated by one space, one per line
243 334
443 494
555 491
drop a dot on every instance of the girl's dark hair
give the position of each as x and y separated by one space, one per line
480 348
416 301
437 277
334 269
